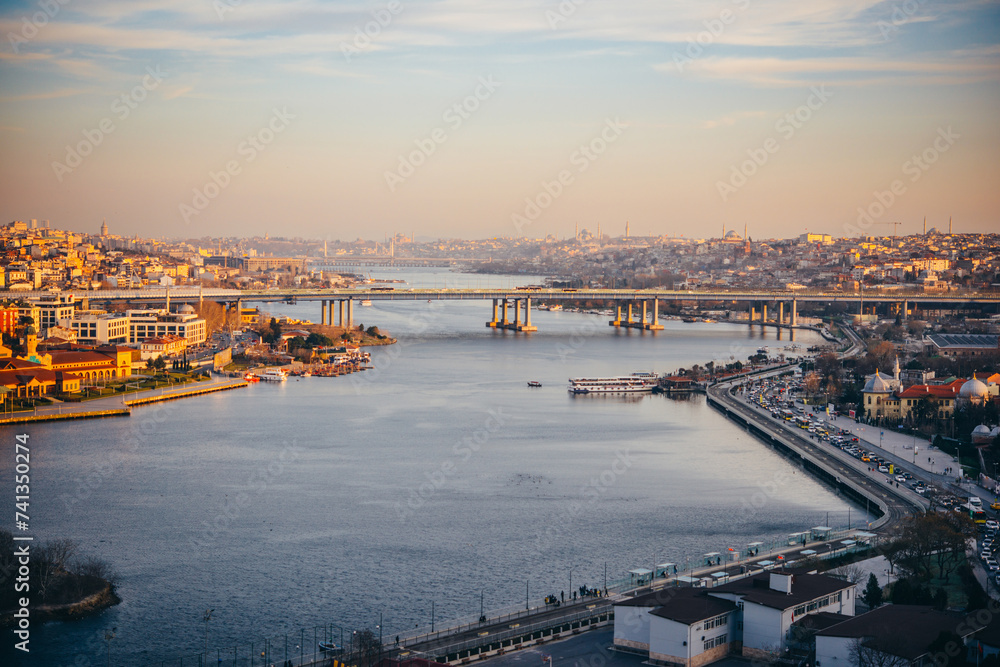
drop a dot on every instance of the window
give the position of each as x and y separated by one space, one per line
799 610
716 622
715 641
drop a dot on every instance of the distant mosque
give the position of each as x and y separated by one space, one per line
732 237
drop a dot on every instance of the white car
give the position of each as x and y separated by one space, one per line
992 525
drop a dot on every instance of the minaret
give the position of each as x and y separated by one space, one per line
324 248
744 231
723 231
626 229
949 225
895 373
925 225
598 232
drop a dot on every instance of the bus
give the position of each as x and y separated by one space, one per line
977 514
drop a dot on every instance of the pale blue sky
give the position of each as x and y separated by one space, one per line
892 76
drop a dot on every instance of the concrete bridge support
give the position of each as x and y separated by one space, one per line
649 321
794 321
781 312
329 313
322 313
763 313
516 324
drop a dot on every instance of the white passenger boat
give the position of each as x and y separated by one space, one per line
624 384
273 375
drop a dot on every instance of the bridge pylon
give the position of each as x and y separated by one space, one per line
650 318
516 324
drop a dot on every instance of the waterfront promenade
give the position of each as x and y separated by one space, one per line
121 404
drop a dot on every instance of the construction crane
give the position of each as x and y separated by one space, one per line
895 225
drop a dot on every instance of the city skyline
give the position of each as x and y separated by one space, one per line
479 119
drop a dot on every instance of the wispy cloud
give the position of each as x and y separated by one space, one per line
842 70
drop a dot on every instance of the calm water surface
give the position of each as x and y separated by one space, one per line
437 477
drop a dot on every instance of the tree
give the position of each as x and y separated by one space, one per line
852 573
366 645
873 592
878 653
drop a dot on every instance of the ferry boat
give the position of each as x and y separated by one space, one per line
623 384
273 375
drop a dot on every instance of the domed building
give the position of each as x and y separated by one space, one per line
974 392
878 394
981 435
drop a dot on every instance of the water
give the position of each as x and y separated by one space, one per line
436 478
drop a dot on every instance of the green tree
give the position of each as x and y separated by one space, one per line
873 592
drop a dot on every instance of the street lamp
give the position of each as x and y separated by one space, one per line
108 636
207 617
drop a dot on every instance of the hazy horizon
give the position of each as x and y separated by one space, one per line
473 119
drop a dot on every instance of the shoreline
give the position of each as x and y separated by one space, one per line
71 611
126 410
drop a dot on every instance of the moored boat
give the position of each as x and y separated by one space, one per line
273 375
534 383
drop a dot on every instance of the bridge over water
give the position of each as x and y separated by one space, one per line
512 307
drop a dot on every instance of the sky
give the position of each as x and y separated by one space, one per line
476 119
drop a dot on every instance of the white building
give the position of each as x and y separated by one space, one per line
53 310
750 617
144 324
98 327
772 601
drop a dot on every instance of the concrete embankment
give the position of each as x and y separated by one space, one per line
122 406
890 504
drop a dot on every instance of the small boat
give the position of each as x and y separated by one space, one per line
534 383
330 647
250 377
273 375
366 302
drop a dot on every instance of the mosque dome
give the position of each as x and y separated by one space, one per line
186 309
974 389
878 384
